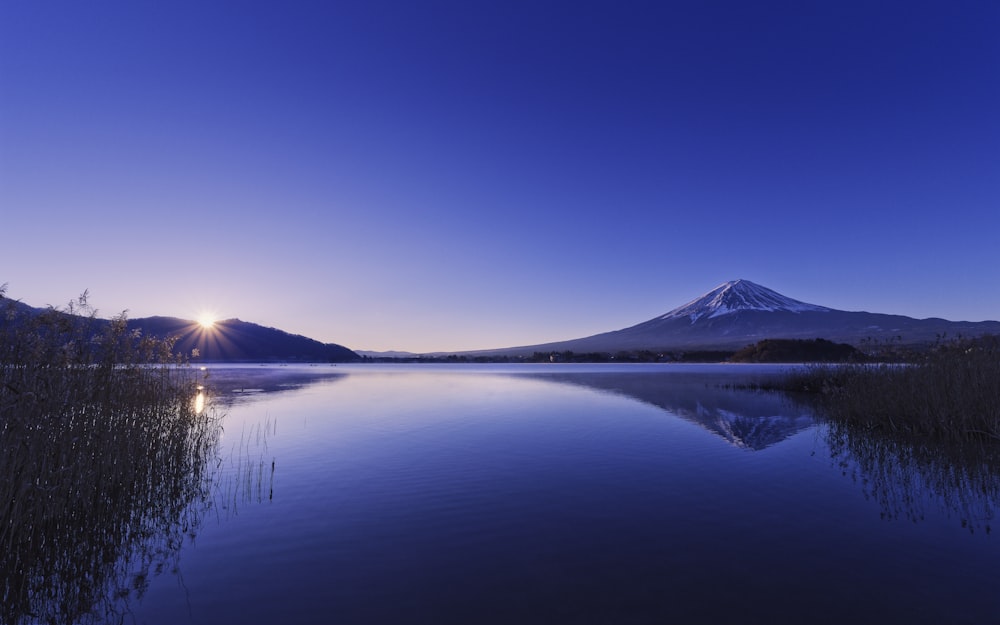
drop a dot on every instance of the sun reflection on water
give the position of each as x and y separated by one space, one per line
199 401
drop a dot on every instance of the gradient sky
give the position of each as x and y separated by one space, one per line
458 175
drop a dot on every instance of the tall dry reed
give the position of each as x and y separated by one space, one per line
949 393
102 451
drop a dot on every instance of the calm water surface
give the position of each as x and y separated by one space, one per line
563 494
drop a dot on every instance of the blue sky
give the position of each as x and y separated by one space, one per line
460 175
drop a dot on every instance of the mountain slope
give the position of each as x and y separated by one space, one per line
236 340
230 340
737 313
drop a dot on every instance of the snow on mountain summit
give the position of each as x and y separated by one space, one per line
739 295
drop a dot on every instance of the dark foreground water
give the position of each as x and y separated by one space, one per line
566 494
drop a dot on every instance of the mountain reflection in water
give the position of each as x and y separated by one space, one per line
423 480
747 419
903 477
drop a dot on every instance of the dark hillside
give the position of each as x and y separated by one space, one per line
229 340
236 340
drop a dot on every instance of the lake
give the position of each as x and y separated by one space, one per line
565 494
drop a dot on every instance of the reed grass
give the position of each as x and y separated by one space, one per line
102 452
910 477
245 474
949 393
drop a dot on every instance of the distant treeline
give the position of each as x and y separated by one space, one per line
643 355
793 350
570 356
768 350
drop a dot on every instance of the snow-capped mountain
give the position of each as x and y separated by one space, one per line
736 296
739 313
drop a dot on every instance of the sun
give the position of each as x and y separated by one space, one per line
206 320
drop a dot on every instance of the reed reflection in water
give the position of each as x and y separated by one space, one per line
100 495
903 475
907 476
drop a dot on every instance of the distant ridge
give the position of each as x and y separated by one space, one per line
388 354
233 340
740 312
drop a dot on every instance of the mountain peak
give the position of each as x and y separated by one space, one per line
736 296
